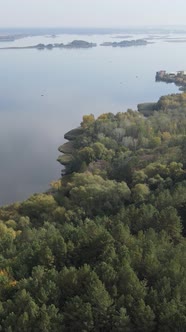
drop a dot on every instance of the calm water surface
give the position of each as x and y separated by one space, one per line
73 83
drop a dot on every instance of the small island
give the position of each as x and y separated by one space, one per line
127 43
74 44
80 44
178 78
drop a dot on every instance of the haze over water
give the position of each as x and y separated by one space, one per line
45 93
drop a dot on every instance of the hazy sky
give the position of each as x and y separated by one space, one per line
91 13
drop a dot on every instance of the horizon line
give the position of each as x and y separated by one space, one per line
94 27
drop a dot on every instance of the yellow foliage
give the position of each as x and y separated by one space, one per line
56 184
13 283
4 230
87 119
7 279
103 116
166 136
3 273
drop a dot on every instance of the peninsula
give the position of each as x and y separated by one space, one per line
178 78
104 249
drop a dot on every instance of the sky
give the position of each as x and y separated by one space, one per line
91 13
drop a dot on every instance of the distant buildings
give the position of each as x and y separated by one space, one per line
164 74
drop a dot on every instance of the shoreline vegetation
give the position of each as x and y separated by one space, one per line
104 249
80 44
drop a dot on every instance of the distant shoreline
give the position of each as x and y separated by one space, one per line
80 44
73 44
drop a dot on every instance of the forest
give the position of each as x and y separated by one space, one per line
104 248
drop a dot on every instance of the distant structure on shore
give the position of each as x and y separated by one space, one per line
178 77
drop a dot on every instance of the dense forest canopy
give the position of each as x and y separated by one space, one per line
104 249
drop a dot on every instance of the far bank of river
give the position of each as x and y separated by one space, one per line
80 44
